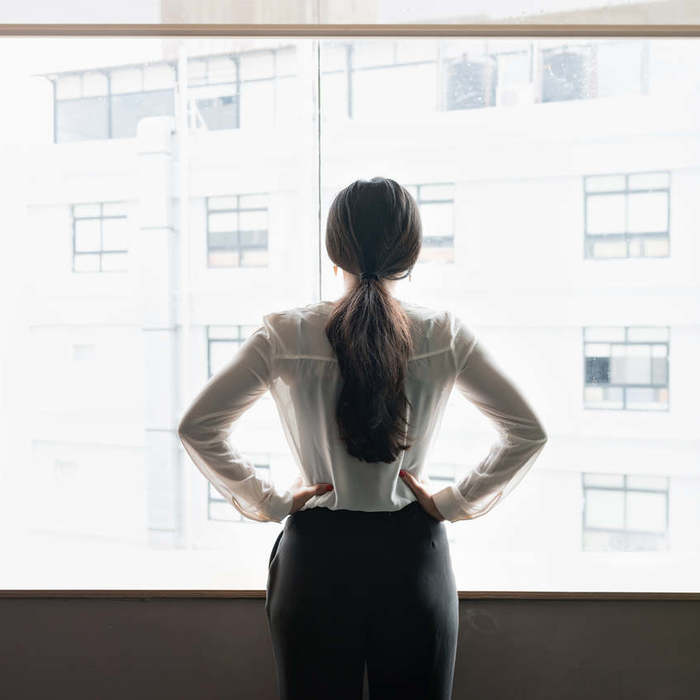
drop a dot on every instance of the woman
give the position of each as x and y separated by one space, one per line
361 572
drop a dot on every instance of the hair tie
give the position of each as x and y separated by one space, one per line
368 275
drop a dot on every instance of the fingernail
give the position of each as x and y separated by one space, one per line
330 487
402 472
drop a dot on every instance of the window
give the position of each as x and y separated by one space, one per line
387 76
627 215
223 343
364 77
470 82
213 83
624 512
436 203
565 73
219 509
440 474
514 75
501 192
242 90
237 228
109 102
626 367
99 237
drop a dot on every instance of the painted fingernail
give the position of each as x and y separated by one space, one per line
330 487
402 472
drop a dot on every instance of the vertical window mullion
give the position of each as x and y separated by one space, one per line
275 86
349 73
109 104
627 214
238 88
239 245
102 245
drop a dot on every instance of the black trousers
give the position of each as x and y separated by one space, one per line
346 588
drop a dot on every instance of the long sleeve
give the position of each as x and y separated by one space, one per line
204 428
521 436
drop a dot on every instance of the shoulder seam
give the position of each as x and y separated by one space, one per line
302 356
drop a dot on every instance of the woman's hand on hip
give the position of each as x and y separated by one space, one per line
422 496
304 493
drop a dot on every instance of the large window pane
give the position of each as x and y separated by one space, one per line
135 265
539 184
96 235
82 119
128 110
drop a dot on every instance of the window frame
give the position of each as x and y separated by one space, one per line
240 249
101 252
320 31
108 95
626 343
625 531
627 236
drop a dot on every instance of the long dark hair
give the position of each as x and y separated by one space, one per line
373 226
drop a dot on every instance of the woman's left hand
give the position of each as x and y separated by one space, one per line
423 497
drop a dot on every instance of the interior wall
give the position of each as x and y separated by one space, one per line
195 647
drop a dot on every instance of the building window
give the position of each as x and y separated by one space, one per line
237 231
219 509
576 71
627 215
514 77
223 343
230 91
109 102
470 82
213 84
443 473
99 237
436 204
623 512
364 78
566 73
626 367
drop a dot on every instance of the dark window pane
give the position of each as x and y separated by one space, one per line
597 370
253 238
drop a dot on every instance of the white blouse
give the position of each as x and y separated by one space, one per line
290 355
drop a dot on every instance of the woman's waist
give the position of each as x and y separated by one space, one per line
332 520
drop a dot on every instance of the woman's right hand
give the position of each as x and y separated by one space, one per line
422 495
304 493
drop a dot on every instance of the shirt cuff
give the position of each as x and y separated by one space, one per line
451 504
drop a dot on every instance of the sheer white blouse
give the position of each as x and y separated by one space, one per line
290 356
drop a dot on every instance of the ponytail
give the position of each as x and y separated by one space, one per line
368 328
